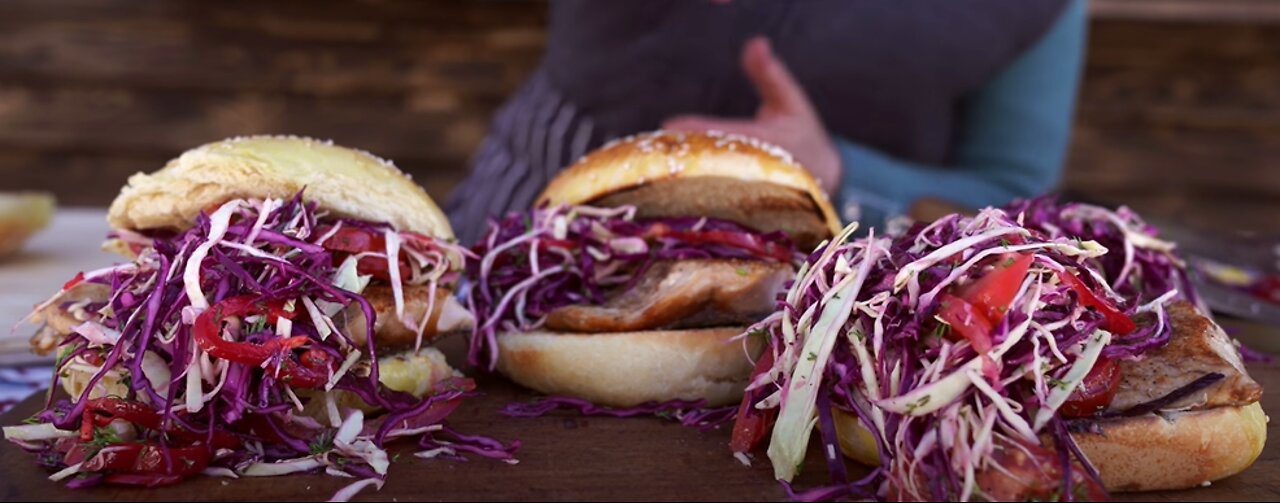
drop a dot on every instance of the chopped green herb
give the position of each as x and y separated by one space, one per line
62 356
259 325
103 437
742 272
323 443
812 356
911 407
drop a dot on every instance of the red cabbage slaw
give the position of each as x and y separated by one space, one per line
859 331
213 341
532 263
1141 265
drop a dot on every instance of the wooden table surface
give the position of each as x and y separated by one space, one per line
566 457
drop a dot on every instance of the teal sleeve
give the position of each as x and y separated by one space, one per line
1012 142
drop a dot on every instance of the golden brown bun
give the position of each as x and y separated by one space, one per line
348 182
1145 453
626 369
1150 453
21 215
655 157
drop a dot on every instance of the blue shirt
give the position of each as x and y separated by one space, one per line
1012 144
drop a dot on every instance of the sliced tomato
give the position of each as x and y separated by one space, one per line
377 267
352 240
356 240
752 424
966 322
1096 390
993 293
1116 321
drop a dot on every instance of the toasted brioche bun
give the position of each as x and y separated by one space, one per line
348 182
730 163
22 214
1187 449
1145 453
626 369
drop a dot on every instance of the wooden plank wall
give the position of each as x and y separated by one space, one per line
1182 118
94 90
1180 110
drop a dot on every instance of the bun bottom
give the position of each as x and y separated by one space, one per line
1147 453
625 369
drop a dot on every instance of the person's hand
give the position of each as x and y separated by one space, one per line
786 117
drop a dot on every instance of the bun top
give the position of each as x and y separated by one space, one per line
660 157
347 182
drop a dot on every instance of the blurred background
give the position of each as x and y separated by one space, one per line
1179 113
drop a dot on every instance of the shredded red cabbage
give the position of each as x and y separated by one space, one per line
225 347
1139 265
534 262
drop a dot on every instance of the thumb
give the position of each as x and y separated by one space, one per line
779 91
698 123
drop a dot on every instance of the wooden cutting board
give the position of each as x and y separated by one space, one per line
569 458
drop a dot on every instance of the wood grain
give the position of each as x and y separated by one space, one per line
570 458
94 91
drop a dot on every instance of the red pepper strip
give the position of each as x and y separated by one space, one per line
74 281
1116 321
750 243
752 424
100 412
206 330
244 305
149 458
